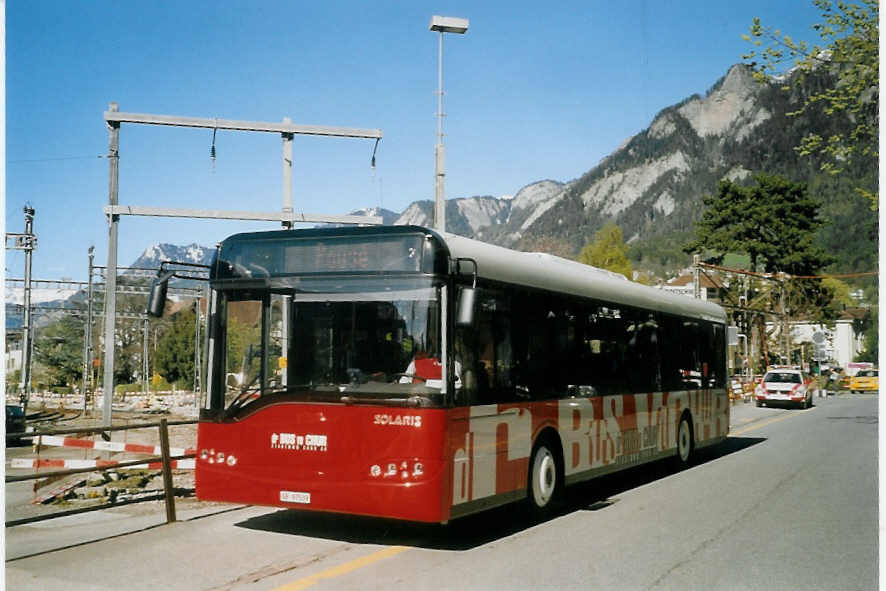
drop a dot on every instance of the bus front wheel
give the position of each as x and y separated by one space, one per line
544 478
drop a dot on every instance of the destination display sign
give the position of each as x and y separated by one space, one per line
270 258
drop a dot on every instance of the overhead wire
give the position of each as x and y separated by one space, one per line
55 159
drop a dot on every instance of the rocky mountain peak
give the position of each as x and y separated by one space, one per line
734 98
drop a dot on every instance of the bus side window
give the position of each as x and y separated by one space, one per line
485 352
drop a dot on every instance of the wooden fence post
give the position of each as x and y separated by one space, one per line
167 472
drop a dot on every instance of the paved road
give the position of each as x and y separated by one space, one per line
788 502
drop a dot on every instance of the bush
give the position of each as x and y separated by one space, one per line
155 385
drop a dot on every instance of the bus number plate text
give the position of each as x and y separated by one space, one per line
288 496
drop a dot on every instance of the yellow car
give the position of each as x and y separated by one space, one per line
866 380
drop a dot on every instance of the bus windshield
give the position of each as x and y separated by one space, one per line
357 340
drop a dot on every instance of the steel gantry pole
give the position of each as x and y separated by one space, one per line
111 270
287 174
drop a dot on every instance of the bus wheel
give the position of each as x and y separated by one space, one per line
544 478
685 442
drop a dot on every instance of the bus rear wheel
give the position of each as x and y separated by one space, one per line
544 479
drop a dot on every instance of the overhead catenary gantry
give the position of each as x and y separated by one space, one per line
287 216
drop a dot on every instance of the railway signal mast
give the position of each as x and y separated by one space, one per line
27 242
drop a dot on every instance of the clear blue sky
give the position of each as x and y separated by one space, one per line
534 91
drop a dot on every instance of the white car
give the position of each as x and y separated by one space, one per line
785 386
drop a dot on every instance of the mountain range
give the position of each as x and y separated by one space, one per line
156 254
653 184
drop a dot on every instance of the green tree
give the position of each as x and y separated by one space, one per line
174 358
849 54
869 326
129 336
840 291
607 251
59 348
774 222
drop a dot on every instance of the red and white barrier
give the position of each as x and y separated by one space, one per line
76 464
56 441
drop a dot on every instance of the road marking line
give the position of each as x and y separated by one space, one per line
764 424
342 569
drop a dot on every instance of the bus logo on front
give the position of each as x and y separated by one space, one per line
308 442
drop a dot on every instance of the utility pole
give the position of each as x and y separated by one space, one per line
696 276
87 335
785 324
198 354
145 377
111 269
29 242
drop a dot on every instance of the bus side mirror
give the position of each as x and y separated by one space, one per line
465 310
157 297
466 295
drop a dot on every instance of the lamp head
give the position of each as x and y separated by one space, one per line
449 24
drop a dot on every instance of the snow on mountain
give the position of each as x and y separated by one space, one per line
157 253
16 295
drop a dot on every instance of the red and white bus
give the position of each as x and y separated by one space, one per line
404 373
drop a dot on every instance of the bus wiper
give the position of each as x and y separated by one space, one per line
241 399
349 399
411 402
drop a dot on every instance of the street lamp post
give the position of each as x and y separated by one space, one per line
442 24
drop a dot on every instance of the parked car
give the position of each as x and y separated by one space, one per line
785 387
866 380
15 422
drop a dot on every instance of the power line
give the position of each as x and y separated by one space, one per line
786 275
55 159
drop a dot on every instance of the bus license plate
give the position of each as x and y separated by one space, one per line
288 496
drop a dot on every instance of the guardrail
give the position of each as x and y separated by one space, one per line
165 460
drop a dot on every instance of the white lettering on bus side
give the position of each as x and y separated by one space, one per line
576 420
591 433
475 464
592 439
659 416
608 428
461 466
